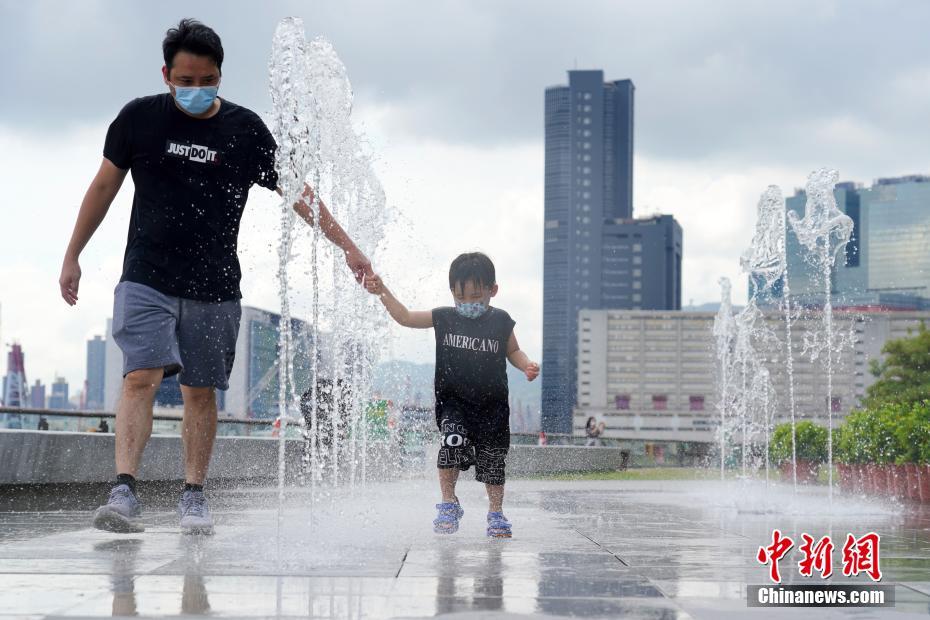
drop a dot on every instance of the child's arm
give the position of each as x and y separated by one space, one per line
419 319
519 359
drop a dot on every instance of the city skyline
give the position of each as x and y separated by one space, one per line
720 118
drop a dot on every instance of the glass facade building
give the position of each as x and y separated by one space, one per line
96 370
898 221
595 254
886 264
254 382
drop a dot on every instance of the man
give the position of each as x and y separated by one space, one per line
193 158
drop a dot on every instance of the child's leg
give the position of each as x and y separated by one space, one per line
447 480
495 497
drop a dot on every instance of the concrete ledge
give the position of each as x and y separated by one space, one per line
49 457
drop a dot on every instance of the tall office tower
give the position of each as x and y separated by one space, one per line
594 251
895 264
15 390
96 371
885 265
37 395
59 396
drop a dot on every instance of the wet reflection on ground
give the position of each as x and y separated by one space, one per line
633 549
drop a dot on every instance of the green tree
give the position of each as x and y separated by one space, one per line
904 374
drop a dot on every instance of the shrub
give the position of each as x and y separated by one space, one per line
913 432
810 439
888 433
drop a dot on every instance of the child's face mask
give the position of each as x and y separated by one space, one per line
472 301
471 310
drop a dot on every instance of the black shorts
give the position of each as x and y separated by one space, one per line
464 443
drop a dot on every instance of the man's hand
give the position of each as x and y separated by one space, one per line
532 371
374 285
69 280
359 264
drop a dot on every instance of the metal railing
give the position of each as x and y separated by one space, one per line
169 423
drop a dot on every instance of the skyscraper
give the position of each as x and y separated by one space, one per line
37 395
59 396
113 375
15 390
96 370
596 255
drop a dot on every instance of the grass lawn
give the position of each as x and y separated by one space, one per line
676 473
645 473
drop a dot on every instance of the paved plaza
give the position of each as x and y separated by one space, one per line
640 549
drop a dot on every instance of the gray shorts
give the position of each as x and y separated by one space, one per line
194 338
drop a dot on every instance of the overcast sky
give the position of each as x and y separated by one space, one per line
730 97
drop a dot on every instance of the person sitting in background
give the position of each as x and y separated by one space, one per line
593 431
332 416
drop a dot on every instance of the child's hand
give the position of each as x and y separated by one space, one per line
532 371
374 284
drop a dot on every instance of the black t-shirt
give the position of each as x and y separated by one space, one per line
471 365
192 178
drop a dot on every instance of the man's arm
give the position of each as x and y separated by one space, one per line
419 319
519 359
96 203
357 262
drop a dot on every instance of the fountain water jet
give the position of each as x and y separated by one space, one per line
317 145
723 335
745 344
824 231
766 263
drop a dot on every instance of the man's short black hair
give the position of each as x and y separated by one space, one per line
193 37
472 267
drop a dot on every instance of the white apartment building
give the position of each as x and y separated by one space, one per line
650 375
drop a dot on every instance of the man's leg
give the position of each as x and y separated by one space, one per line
199 431
122 511
207 334
134 418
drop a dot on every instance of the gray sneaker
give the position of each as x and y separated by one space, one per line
121 513
194 513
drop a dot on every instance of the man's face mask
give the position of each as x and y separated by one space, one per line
195 99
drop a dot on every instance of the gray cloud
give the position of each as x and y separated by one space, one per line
843 83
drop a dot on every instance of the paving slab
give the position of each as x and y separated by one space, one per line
639 549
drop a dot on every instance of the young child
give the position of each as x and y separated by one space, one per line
473 343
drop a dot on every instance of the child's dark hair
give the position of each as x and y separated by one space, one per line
195 38
472 267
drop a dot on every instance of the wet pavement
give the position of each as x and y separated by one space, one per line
671 549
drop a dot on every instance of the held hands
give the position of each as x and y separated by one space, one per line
531 371
69 280
374 285
359 264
